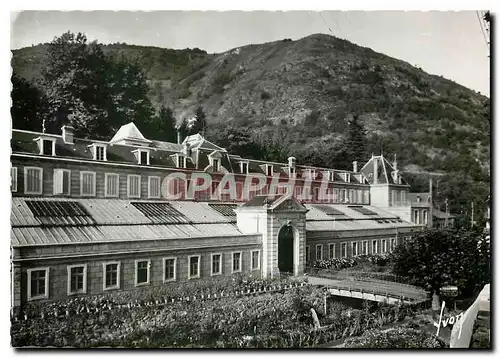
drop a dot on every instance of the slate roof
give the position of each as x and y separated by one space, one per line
384 170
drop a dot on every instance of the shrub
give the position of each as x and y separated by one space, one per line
395 338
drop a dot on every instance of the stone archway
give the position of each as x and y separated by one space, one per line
286 250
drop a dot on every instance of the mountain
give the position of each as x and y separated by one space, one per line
302 93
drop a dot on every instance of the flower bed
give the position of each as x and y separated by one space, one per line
340 263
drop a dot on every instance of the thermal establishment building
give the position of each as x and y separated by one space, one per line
90 216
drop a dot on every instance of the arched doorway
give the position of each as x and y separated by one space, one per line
286 249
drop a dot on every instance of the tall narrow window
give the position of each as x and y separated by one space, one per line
169 268
111 183
142 272
354 248
143 157
77 279
308 254
374 247
99 152
154 187
319 252
384 246
331 251
134 186
111 279
244 167
216 264
255 260
359 196
236 262
269 170
33 180
38 283
393 244
181 161
365 247
343 247
215 164
194 266
87 183
425 216
13 179
62 182
48 147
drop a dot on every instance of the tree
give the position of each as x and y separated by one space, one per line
237 141
183 129
163 127
200 125
355 142
29 106
436 258
95 93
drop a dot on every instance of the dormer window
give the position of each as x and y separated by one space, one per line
142 156
269 170
215 164
181 161
331 176
46 145
99 152
312 174
347 177
244 167
291 171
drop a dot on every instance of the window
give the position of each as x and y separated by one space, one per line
216 264
134 186
244 167
365 247
111 184
33 180
345 199
331 251
256 260
269 170
308 254
393 244
215 164
48 147
181 161
154 187
425 216
38 283
111 278
336 195
312 174
374 247
13 179
99 152
354 249
366 197
236 262
351 196
169 269
87 183
319 252
394 198
291 171
194 266
415 217
142 157
142 272
343 247
403 197
62 182
384 246
331 176
77 279
359 196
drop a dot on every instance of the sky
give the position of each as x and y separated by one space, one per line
447 43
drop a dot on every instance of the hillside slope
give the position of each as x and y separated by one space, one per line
303 91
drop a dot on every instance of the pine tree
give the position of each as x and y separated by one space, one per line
29 105
165 125
183 129
200 125
355 142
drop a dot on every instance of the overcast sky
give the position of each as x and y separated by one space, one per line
450 44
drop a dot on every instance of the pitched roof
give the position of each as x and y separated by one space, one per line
129 132
385 171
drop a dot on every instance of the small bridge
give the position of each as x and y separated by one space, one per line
380 291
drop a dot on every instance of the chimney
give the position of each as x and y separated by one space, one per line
178 136
375 170
355 166
418 198
291 162
395 163
67 134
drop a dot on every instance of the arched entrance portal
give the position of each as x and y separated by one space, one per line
286 249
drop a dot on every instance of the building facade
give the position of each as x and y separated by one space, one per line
93 216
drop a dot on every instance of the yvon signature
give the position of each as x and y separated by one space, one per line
450 320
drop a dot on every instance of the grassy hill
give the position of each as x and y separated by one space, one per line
303 91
